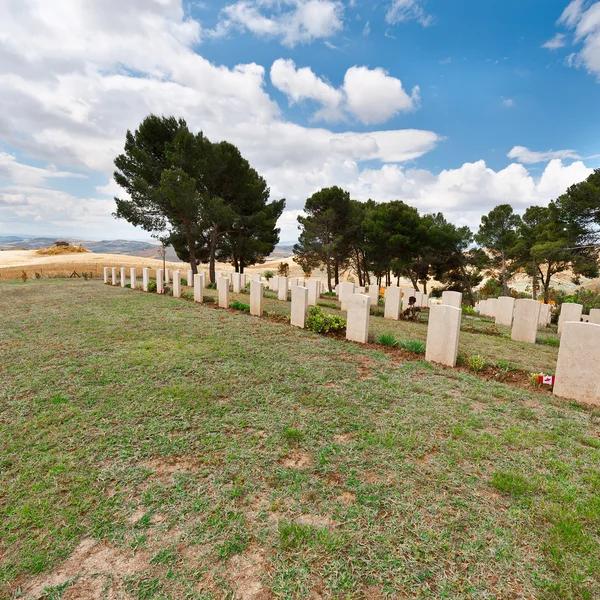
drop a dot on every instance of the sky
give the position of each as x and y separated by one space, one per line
452 106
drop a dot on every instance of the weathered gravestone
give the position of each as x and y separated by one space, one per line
145 279
237 283
159 281
578 366
525 320
407 294
105 274
504 310
282 293
256 298
443 331
452 299
313 291
176 284
357 328
132 278
114 275
223 290
569 312
374 293
299 309
595 316
190 278
392 303
345 291
198 288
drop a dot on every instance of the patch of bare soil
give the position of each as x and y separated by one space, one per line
165 467
245 573
346 498
363 364
297 460
315 520
94 564
343 438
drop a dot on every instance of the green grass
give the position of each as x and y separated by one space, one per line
202 450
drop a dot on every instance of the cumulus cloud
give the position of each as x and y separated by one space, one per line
529 157
371 96
292 21
400 11
584 19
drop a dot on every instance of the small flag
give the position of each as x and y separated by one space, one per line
547 379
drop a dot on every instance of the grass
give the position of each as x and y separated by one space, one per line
57 250
207 452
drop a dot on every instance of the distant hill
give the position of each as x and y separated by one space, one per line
127 247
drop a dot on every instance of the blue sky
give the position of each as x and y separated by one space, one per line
451 106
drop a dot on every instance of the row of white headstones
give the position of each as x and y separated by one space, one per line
578 366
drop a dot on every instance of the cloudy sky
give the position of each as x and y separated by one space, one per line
449 106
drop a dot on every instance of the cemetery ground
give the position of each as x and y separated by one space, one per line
151 447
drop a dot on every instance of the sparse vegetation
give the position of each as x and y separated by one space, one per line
321 322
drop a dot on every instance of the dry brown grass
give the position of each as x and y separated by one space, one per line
56 250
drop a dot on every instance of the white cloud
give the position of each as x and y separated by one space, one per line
507 102
292 21
530 157
558 41
400 11
369 95
584 18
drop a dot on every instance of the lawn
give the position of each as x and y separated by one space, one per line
151 447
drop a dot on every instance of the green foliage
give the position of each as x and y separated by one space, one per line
415 346
208 300
506 366
476 363
187 295
240 306
283 269
327 304
211 285
321 322
387 339
152 286
292 435
511 482
376 311
268 275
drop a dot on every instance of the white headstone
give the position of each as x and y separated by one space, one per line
283 289
132 278
374 293
595 316
578 366
313 291
145 279
237 283
443 331
256 298
167 279
190 278
504 310
105 274
114 275
569 312
198 287
357 328
177 284
159 281
392 303
407 293
223 290
525 320
299 308
452 299
345 291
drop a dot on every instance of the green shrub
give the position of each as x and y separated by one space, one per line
476 363
506 366
184 281
321 322
469 311
208 300
268 275
548 341
127 285
187 295
387 339
375 311
168 291
240 306
152 286
211 286
329 294
413 346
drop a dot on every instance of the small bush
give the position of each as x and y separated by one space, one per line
548 341
375 311
184 281
152 286
168 291
534 379
387 339
208 300
469 311
211 286
476 363
268 275
127 285
413 346
188 295
506 366
321 322
240 306
329 294
24 276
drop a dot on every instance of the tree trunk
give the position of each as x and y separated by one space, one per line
504 281
191 250
328 263
413 280
359 268
337 272
213 251
534 282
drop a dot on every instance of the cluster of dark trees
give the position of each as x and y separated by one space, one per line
392 240
203 198
208 202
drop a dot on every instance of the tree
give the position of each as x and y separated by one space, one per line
324 236
283 269
547 245
498 235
